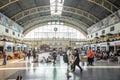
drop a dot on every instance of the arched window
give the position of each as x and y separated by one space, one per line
55 31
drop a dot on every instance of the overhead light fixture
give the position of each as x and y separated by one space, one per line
56 7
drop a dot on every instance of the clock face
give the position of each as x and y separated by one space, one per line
55 29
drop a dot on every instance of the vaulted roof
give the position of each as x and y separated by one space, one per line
86 12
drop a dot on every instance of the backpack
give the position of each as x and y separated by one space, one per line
54 54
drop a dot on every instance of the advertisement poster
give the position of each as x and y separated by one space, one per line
114 18
11 24
119 13
105 22
99 24
5 21
94 28
1 18
89 30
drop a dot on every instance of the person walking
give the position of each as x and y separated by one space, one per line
69 55
29 54
4 57
76 60
34 54
54 56
90 57
24 54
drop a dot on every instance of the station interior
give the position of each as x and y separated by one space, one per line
59 39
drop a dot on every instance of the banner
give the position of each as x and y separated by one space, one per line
110 20
1 18
114 18
5 21
119 13
105 22
93 28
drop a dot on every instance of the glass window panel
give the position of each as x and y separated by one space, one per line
49 32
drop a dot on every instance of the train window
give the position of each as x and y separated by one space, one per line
6 30
112 28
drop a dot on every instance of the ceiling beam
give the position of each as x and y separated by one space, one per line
34 21
73 20
105 4
9 3
42 9
45 23
82 28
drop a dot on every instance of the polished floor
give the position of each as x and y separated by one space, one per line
102 70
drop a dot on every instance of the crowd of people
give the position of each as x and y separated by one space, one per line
71 57
30 53
107 55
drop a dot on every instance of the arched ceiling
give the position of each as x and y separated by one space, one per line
41 24
83 12
40 21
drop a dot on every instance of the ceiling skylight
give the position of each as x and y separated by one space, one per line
56 7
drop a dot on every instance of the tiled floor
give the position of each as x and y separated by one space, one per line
48 71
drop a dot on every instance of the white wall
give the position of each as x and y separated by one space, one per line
10 33
107 30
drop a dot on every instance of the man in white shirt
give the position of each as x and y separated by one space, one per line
69 57
69 54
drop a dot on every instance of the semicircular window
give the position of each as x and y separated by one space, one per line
54 31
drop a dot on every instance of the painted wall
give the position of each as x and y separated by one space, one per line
107 30
10 33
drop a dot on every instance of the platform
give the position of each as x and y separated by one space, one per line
47 71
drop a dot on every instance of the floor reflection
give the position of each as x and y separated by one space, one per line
48 71
54 73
